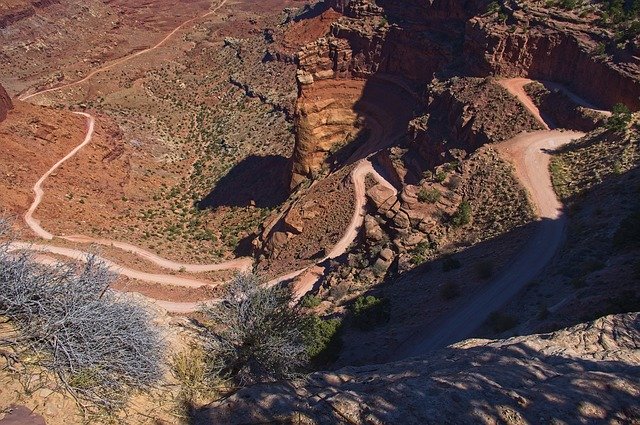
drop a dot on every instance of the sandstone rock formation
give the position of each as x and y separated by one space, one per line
406 43
552 49
5 103
587 373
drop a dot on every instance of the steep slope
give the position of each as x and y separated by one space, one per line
586 373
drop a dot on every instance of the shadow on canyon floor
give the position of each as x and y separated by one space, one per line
419 302
256 180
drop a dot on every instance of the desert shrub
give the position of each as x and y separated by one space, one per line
449 291
501 322
369 312
420 252
100 345
254 334
568 4
440 176
322 340
450 263
430 196
310 301
190 369
493 7
462 216
455 182
484 269
628 233
620 119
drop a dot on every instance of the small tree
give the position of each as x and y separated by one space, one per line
369 312
254 334
620 118
431 196
462 216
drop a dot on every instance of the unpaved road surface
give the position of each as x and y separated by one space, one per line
529 152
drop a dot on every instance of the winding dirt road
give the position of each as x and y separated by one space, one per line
525 150
126 58
529 152
34 224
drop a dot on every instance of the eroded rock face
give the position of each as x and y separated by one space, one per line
408 42
546 50
5 103
585 373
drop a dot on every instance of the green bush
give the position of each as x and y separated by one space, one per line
322 340
430 196
419 253
620 119
369 312
310 301
493 7
462 216
440 176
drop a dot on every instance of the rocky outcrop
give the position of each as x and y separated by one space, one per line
411 41
587 373
560 48
466 113
561 111
5 103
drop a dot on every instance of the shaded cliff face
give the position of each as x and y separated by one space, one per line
5 103
544 49
410 42
587 373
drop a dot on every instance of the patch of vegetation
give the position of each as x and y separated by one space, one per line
430 196
101 346
463 215
190 369
310 301
419 254
501 322
369 311
254 335
620 118
322 340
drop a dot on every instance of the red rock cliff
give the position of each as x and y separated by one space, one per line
406 43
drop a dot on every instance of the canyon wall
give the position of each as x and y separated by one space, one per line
407 43
5 103
562 55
